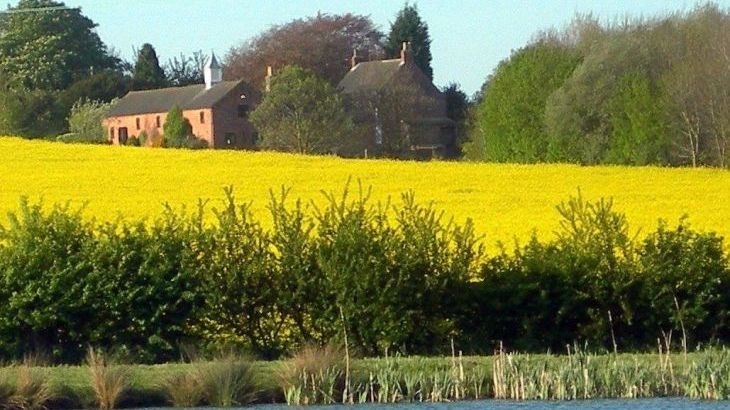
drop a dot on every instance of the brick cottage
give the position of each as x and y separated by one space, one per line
217 110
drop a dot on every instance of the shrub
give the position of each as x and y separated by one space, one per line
108 381
32 391
687 279
85 119
227 381
178 133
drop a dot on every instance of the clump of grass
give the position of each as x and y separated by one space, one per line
108 381
32 391
184 389
314 375
6 391
226 381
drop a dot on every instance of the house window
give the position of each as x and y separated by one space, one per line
243 111
202 117
111 133
123 136
137 121
157 120
230 138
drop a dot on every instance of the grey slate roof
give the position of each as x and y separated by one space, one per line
162 100
369 76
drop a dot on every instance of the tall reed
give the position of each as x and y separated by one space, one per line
32 391
108 381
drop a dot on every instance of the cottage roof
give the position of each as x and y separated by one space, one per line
190 97
369 76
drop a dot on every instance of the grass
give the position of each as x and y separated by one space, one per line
231 381
108 381
506 201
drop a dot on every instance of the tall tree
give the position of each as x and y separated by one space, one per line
323 43
302 113
147 71
509 122
46 45
408 27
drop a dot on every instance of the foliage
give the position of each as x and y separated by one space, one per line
302 113
178 132
388 277
409 28
187 70
509 123
49 50
31 113
103 86
85 121
321 43
632 91
147 72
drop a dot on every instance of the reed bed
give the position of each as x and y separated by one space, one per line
322 376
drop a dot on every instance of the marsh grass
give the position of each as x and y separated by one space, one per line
109 381
226 381
314 375
183 389
31 391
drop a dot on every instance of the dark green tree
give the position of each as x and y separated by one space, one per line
176 129
302 113
147 71
409 28
457 109
49 49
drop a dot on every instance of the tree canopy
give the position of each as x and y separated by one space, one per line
323 43
51 49
147 71
409 28
636 91
302 113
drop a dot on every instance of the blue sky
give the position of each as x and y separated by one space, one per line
469 37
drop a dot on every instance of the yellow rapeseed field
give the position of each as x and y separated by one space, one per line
505 201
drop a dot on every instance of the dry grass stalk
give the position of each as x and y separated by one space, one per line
108 381
32 391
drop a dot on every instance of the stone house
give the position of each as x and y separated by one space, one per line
399 109
217 110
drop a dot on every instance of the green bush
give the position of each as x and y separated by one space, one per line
84 121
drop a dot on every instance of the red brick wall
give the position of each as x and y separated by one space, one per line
148 123
228 122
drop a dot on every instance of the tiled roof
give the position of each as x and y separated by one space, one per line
369 76
162 100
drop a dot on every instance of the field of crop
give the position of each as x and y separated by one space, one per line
505 201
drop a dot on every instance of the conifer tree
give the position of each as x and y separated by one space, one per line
147 71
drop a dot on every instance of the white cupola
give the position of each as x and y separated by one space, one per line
213 72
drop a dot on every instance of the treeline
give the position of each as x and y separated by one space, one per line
636 91
397 277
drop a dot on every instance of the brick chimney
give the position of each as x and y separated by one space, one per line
405 52
269 74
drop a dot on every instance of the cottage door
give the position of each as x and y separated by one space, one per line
123 136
